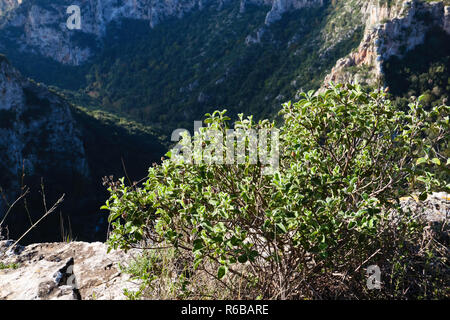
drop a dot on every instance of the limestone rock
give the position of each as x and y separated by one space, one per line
389 31
63 271
435 209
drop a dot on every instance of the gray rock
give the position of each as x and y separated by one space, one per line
63 271
435 209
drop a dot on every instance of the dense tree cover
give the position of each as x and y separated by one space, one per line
173 74
330 209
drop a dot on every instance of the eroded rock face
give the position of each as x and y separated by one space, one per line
435 209
64 271
40 26
390 30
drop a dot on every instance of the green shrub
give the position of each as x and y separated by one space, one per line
309 229
9 266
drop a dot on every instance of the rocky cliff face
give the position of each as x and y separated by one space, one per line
392 28
389 30
37 132
38 26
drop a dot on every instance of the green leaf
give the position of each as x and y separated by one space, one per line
253 254
282 227
197 263
221 272
421 160
113 216
243 258
198 244
436 161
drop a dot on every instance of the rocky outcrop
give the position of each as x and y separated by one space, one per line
435 209
38 134
63 271
281 6
389 30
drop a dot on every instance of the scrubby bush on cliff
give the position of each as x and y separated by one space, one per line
311 228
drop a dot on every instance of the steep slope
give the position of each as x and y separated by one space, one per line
45 140
166 63
38 132
38 138
423 71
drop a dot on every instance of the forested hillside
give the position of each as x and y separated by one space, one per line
172 74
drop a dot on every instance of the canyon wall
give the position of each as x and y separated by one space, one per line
38 134
389 31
